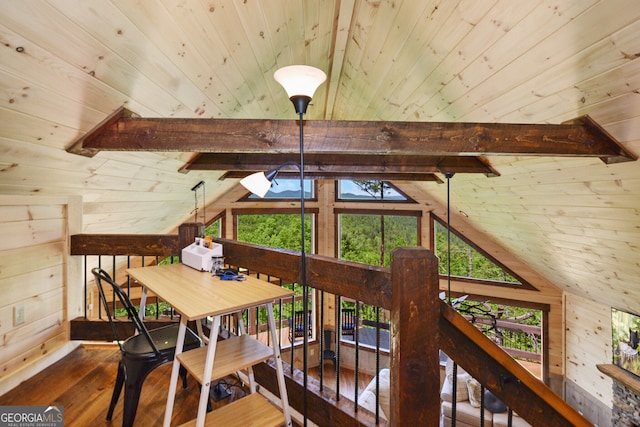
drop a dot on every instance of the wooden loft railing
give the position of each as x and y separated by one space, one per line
421 325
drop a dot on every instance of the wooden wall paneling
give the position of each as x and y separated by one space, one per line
588 335
34 272
17 126
593 409
393 27
600 88
428 39
39 101
496 68
19 234
12 371
207 25
319 32
463 49
121 167
362 26
327 245
41 68
257 36
560 80
42 280
327 240
164 33
74 45
623 127
31 335
610 112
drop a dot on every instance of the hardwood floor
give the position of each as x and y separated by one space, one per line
83 382
347 380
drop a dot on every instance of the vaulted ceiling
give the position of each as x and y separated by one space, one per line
67 65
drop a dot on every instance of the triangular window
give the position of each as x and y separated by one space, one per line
288 188
370 190
469 261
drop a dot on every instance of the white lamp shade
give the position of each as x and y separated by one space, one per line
300 79
257 183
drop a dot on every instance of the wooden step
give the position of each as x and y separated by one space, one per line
251 410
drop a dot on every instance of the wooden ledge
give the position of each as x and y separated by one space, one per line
625 378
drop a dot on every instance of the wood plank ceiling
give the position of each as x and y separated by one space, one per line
67 65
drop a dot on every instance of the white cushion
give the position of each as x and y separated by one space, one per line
462 394
461 387
465 413
475 392
368 397
501 420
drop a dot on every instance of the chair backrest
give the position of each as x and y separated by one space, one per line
298 324
102 276
348 321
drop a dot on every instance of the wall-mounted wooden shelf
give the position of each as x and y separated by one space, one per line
626 378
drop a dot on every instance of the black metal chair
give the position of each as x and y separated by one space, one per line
348 321
296 326
141 353
327 353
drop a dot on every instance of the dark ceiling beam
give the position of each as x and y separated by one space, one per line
369 176
581 137
344 163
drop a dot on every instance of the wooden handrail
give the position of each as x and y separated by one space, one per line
421 324
504 376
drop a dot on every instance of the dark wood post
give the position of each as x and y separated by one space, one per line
415 363
188 232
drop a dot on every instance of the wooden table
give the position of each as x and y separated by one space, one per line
196 295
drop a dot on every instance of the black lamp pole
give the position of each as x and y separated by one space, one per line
301 102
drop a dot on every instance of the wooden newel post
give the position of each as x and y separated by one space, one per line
188 232
415 366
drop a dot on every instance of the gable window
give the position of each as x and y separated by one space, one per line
468 261
286 189
369 191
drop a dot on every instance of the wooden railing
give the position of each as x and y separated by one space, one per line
421 325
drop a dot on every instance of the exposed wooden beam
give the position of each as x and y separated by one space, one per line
82 146
581 138
340 164
384 176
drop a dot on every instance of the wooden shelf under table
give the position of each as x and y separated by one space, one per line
233 354
251 410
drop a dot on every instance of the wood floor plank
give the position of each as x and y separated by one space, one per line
82 383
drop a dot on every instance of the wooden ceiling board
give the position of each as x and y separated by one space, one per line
65 65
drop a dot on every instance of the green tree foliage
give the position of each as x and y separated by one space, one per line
465 260
274 230
360 236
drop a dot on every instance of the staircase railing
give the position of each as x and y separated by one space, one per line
421 325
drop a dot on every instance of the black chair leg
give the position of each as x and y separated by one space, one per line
183 375
131 399
135 374
116 390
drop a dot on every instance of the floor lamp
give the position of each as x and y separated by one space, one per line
300 82
448 176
